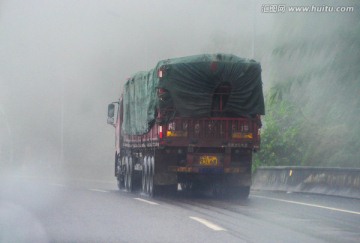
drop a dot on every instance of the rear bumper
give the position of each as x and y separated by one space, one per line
229 177
207 170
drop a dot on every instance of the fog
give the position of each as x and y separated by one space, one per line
63 61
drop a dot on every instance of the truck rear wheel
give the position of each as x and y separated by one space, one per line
120 173
148 176
150 180
126 162
144 176
129 174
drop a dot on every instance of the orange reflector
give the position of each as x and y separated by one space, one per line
247 135
176 133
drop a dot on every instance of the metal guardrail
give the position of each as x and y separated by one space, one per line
343 182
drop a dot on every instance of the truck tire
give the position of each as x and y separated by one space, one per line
116 169
120 174
144 175
151 172
126 173
130 174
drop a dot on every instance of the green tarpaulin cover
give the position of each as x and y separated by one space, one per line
191 82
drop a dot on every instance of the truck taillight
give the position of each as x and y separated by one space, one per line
161 91
160 131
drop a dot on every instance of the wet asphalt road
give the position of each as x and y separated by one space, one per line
35 209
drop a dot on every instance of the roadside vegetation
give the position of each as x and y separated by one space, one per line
313 103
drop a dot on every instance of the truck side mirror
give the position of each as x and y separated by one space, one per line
111 114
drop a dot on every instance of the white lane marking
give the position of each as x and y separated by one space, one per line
208 224
146 201
57 184
309 205
97 190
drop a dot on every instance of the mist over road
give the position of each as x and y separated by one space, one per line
63 61
80 210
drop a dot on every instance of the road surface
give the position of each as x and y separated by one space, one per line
36 209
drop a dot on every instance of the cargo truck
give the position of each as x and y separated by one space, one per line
191 121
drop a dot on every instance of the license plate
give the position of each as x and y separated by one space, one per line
209 160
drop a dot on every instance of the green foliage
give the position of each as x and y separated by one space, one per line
280 143
313 104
